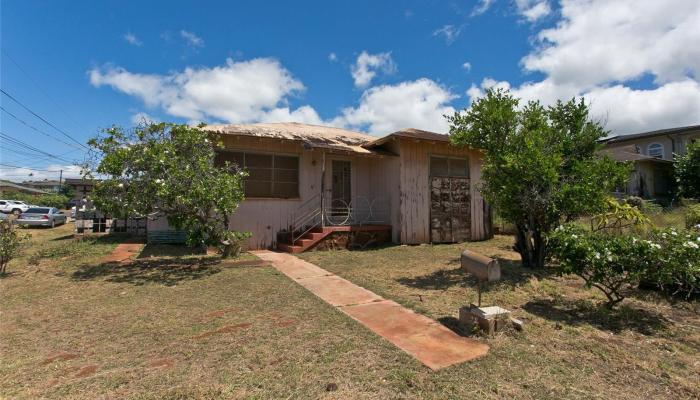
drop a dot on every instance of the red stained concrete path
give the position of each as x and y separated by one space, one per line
423 338
123 252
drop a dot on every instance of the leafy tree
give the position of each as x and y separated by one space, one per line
541 165
687 170
168 170
10 243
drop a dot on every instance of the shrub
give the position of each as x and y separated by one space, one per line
675 267
606 262
668 259
10 243
47 200
692 217
635 201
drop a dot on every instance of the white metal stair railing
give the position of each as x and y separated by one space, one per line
307 216
360 211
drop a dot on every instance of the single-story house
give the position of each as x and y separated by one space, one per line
11 187
307 182
47 185
652 154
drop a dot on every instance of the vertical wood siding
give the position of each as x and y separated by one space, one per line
414 194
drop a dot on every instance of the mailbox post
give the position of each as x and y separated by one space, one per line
485 270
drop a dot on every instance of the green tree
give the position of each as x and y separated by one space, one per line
687 171
168 170
541 165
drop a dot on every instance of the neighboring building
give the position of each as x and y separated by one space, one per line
412 185
51 186
82 188
652 154
11 187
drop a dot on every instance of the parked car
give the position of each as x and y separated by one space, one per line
13 206
42 216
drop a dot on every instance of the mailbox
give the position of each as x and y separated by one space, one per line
485 269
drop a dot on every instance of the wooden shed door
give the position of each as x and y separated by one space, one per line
450 201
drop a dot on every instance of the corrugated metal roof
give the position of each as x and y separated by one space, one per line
669 131
311 135
629 153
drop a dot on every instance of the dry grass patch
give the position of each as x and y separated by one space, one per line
571 347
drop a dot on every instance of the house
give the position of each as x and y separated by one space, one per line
7 187
652 154
81 187
52 186
310 183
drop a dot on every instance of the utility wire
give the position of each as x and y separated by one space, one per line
37 129
42 118
30 147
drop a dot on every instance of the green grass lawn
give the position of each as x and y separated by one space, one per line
191 327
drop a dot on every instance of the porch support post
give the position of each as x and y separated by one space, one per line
323 188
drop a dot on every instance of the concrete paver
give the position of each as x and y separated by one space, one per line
123 252
423 338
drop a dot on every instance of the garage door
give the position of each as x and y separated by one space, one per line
450 201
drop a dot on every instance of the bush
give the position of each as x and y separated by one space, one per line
692 217
668 259
635 201
675 267
47 200
606 262
10 243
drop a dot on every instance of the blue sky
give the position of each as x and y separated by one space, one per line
373 66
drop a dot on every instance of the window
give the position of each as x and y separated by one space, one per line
655 150
447 166
269 175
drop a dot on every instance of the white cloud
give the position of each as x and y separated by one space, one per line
416 104
19 174
192 39
467 66
132 39
599 48
449 32
533 10
482 7
141 118
332 57
368 65
600 41
237 92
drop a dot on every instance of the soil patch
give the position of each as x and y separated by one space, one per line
62 356
223 329
163 363
87 370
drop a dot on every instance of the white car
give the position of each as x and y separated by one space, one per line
13 206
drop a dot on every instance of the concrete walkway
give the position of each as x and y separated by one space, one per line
423 338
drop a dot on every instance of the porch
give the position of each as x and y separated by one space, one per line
361 221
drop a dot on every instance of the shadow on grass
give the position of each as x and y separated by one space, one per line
64 237
167 250
167 272
586 312
512 275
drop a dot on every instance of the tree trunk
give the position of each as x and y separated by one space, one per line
531 246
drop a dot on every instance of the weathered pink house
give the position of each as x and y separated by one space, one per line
308 183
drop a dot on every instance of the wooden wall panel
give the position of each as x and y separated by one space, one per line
414 188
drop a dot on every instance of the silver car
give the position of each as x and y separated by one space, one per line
42 216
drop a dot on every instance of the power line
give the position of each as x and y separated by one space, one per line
26 146
31 169
42 118
37 129
45 93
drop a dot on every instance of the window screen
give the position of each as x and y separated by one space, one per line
448 166
269 175
656 150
